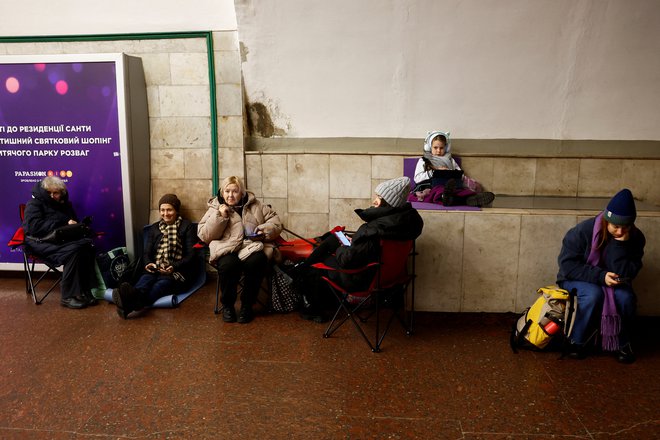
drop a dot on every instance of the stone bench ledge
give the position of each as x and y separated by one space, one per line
547 205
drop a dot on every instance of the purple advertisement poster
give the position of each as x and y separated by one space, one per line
63 119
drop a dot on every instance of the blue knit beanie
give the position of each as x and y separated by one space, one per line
621 209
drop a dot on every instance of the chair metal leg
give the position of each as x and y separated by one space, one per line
31 284
217 309
350 313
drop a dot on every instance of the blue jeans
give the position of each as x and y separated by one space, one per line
590 299
153 286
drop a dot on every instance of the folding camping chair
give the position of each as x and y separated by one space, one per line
387 290
30 262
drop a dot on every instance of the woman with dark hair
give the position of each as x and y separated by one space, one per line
239 230
599 258
48 210
168 260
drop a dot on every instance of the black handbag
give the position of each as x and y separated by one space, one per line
285 296
67 233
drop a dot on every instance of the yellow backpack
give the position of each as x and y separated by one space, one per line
551 315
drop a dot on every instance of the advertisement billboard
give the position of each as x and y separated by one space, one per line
65 115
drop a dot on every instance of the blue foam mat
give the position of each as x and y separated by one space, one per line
171 301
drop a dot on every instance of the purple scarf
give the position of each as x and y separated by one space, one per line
610 323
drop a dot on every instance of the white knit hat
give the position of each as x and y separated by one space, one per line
395 191
428 140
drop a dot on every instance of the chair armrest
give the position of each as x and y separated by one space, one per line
323 266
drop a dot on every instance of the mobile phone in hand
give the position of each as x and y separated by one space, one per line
343 238
255 235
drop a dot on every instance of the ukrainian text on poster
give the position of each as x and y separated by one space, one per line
61 119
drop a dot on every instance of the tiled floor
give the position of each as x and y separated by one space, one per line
184 374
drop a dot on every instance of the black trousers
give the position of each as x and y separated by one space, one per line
231 268
78 275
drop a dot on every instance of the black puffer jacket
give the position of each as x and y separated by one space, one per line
403 223
42 215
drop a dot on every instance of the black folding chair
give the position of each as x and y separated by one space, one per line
33 264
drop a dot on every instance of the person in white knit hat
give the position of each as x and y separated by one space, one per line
433 185
389 217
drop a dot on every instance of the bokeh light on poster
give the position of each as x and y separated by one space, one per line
63 118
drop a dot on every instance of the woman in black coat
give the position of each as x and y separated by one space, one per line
48 210
168 260
390 217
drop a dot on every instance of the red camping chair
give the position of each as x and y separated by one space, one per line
387 291
297 249
30 263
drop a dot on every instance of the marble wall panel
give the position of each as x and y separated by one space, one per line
513 176
350 176
229 100
40 48
556 177
386 167
439 263
156 68
230 131
274 178
180 132
189 68
306 224
540 243
169 45
225 40
167 164
641 177
197 163
490 262
153 102
184 101
308 183
231 163
599 177
254 173
227 67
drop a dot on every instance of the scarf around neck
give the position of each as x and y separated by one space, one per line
170 249
439 161
610 323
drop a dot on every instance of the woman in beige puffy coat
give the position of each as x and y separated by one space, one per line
239 231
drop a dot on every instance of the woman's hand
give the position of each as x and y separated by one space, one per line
72 222
612 279
224 210
151 267
166 270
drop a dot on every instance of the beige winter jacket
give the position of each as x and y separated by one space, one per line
226 235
